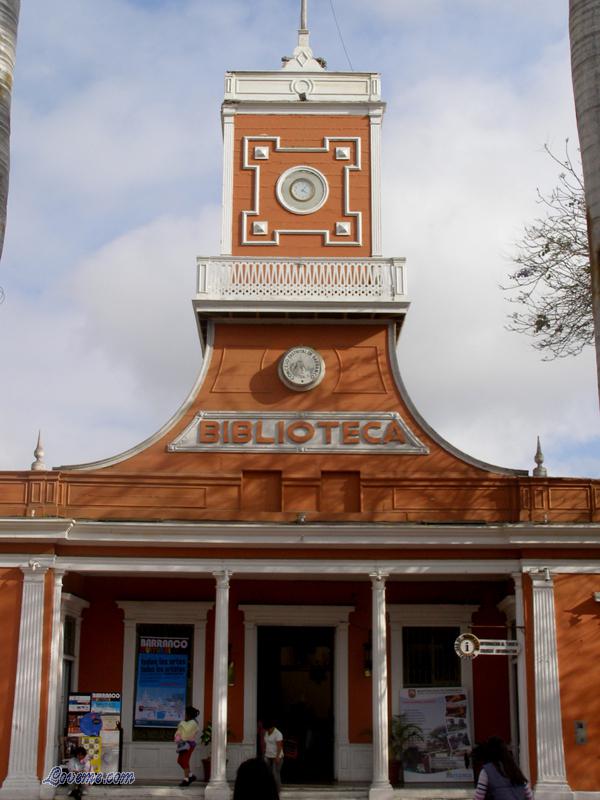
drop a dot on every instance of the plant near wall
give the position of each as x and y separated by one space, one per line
402 736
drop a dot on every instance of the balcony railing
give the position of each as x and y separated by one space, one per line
364 284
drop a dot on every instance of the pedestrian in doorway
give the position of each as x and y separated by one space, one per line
255 781
500 777
79 762
274 751
185 743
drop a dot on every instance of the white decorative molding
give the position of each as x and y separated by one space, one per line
22 780
260 228
551 769
376 118
325 148
342 229
351 88
54 675
342 153
153 760
228 116
369 286
261 153
218 788
380 788
317 616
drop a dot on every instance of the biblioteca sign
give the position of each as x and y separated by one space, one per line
298 432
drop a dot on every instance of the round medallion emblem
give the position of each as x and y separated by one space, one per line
301 368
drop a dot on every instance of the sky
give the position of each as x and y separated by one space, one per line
116 188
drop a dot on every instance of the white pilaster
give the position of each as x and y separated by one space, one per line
218 788
22 781
521 676
376 118
381 788
56 646
228 116
551 772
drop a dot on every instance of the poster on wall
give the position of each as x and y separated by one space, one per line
94 722
443 718
161 687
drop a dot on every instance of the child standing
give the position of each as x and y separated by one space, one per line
79 762
185 743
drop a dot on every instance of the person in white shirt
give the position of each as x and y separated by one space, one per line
274 751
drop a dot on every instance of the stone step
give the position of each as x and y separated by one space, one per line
336 792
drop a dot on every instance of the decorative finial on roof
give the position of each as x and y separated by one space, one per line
303 59
540 471
38 465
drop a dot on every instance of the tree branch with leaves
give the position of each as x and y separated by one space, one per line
552 285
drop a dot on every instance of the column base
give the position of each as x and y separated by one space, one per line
20 788
217 791
553 791
47 792
382 791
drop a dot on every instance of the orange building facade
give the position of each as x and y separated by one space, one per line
297 523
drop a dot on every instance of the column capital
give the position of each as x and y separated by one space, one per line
379 576
222 577
34 571
541 578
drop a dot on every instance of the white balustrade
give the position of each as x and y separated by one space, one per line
317 280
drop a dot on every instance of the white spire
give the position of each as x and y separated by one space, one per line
303 59
540 471
38 465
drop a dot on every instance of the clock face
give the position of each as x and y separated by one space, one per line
302 190
301 368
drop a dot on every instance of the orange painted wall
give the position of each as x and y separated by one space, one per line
301 131
578 641
11 582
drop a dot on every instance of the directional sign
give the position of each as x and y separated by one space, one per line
467 645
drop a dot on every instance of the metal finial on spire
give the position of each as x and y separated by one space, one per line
304 16
540 471
38 465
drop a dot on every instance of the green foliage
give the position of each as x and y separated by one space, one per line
402 735
552 284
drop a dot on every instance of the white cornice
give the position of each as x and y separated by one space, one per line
341 108
262 535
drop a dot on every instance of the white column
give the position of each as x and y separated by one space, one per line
218 788
128 689
376 118
551 773
521 676
341 699
381 788
22 780
250 684
54 675
227 208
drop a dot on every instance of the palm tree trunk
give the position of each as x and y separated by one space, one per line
9 18
584 30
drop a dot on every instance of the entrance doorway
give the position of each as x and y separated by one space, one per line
295 690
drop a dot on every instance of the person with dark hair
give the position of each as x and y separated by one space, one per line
274 751
79 762
255 781
500 777
185 743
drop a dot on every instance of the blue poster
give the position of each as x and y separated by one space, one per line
161 691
